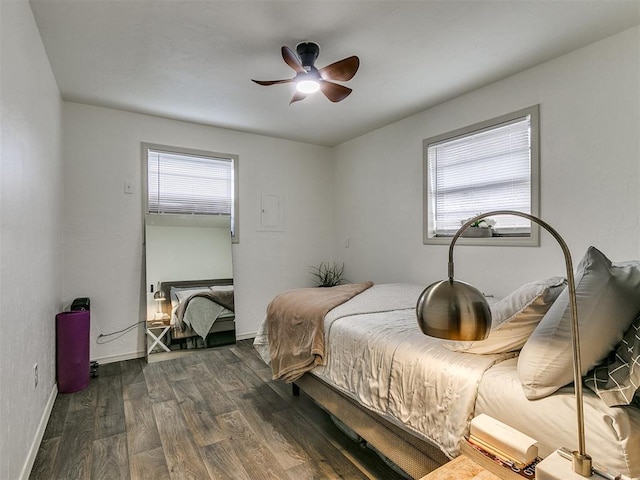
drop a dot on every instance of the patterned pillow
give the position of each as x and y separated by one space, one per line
617 379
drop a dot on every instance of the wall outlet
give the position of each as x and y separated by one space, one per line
35 376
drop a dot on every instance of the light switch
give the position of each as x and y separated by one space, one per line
128 187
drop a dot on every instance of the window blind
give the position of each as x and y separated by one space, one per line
482 171
189 184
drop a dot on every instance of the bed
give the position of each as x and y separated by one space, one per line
201 312
411 397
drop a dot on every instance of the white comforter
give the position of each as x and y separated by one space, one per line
378 356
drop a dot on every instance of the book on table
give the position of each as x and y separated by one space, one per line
499 467
503 450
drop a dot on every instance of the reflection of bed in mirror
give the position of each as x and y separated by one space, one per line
183 253
201 312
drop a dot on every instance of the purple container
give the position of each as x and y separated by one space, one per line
72 351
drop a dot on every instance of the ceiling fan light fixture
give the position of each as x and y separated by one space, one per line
309 79
308 86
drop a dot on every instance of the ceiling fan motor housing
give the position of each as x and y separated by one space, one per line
308 53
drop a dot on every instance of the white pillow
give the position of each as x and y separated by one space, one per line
608 299
515 317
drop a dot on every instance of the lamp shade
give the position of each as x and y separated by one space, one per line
159 296
453 310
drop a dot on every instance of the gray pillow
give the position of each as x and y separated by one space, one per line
617 379
608 300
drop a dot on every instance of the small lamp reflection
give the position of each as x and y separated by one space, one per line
159 297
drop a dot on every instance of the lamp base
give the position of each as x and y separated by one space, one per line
555 467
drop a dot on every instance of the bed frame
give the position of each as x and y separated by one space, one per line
416 457
223 324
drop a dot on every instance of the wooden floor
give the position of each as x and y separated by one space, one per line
215 414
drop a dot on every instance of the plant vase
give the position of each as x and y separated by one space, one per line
477 232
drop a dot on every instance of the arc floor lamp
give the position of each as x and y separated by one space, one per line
456 310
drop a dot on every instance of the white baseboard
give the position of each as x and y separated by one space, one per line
119 358
141 353
35 445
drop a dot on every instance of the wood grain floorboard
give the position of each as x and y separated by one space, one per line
323 452
209 414
151 464
183 457
157 382
45 461
142 432
271 432
199 419
87 398
110 369
58 417
217 399
110 459
227 376
223 463
263 465
363 458
132 371
73 459
226 355
110 418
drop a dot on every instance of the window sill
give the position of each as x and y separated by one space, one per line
530 241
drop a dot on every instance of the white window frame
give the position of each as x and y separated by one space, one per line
533 239
235 233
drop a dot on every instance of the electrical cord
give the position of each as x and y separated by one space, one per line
122 332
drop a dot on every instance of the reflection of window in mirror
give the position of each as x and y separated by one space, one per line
191 182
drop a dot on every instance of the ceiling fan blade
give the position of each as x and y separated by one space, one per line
297 97
292 60
333 91
272 82
341 70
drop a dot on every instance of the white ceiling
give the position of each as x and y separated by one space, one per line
193 60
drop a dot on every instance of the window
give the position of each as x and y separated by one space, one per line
191 182
492 165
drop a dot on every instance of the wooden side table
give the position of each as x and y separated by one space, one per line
460 468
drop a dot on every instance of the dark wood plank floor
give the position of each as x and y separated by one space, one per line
215 414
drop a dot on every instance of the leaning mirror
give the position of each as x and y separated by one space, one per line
189 283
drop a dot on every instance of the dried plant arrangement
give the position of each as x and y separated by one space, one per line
328 274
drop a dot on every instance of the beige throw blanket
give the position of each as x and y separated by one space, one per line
296 330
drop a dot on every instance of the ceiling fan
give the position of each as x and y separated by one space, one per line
309 79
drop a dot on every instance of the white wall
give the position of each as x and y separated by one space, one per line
30 240
103 225
590 160
178 252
